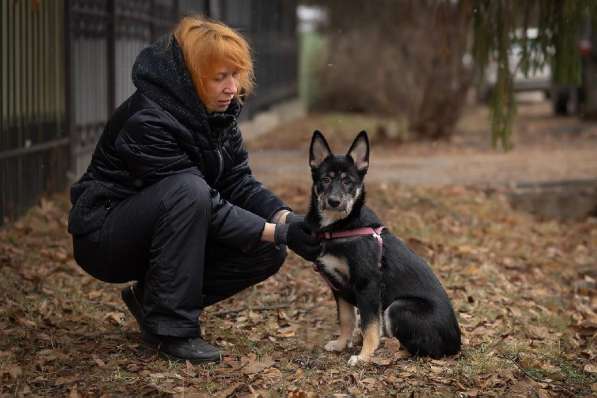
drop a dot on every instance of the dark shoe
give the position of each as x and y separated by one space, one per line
133 297
192 349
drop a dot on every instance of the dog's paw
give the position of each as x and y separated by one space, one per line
335 345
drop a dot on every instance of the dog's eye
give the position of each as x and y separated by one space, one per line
346 181
326 180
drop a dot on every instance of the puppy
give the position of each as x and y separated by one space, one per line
369 268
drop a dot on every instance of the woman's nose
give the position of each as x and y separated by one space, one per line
230 87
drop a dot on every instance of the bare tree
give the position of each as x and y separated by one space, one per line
399 58
405 57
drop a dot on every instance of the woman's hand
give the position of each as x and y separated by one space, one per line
298 237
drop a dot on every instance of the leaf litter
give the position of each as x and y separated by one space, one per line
524 290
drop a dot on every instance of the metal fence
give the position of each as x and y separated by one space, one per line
103 41
66 65
34 149
270 27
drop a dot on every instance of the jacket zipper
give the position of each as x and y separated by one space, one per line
220 166
220 159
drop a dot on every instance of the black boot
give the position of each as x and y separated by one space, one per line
133 298
192 349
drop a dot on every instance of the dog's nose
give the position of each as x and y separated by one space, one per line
333 202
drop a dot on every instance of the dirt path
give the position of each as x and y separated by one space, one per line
486 169
547 148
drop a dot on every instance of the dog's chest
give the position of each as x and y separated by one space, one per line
335 269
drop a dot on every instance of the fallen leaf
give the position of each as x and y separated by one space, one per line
255 366
98 361
67 380
590 368
288 331
116 318
382 361
73 393
228 392
14 371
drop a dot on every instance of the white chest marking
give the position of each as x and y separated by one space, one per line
335 266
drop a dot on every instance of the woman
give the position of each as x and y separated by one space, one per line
169 200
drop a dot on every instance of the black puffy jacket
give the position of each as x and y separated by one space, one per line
164 129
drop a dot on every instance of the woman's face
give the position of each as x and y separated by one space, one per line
220 88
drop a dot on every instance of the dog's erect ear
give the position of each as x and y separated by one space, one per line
319 149
359 151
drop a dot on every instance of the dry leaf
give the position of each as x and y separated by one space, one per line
255 366
590 368
117 318
98 361
14 371
228 392
381 361
67 380
73 393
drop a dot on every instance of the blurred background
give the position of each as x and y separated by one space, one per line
484 161
442 87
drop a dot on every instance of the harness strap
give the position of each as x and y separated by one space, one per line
351 233
363 231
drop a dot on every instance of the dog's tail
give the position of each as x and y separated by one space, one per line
423 328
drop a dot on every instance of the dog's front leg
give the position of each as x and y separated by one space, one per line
369 307
346 318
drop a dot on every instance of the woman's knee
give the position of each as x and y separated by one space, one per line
186 190
274 258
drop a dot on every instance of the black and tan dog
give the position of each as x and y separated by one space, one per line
367 267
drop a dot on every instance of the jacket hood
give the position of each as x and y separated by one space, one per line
160 74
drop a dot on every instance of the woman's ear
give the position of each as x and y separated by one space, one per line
359 151
319 149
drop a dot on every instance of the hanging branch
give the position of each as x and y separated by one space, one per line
498 24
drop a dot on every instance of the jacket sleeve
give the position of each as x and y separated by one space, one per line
240 187
147 146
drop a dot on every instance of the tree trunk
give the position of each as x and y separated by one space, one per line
404 59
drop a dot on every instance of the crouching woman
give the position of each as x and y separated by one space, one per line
169 200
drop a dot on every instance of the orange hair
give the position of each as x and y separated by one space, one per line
206 45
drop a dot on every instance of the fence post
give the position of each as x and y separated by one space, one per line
214 9
111 56
68 93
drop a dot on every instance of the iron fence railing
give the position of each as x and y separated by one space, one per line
33 139
66 65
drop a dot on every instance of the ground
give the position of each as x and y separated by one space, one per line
524 291
547 148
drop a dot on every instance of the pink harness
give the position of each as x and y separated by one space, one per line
352 233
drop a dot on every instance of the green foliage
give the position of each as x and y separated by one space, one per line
498 24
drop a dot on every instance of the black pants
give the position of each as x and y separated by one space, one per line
160 237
